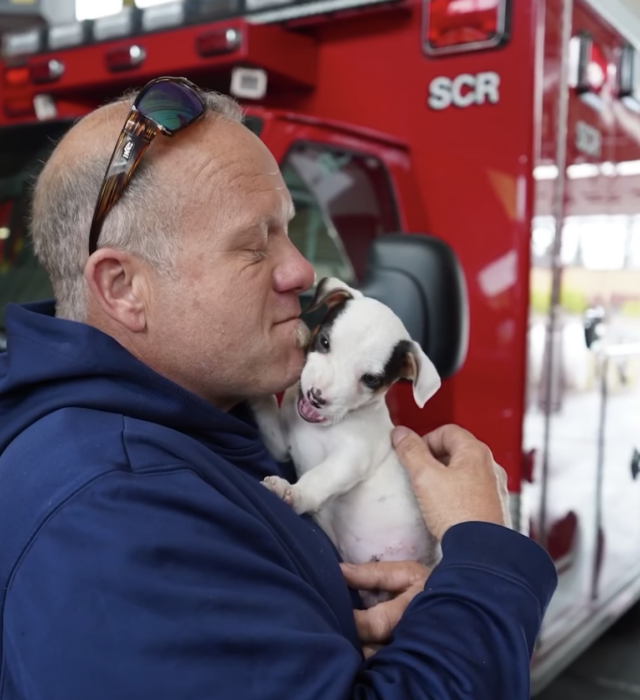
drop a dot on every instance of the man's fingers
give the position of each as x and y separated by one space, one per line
370 649
376 624
391 576
412 450
449 439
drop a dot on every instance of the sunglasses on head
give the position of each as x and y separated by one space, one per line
163 106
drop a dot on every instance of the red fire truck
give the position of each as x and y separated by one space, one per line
477 162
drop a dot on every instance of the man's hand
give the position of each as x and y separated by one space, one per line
454 477
404 578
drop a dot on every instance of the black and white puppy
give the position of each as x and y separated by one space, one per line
335 426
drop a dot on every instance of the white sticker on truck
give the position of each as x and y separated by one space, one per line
588 139
464 90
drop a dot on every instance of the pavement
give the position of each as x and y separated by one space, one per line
609 670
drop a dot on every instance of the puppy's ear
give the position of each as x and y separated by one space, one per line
421 371
331 291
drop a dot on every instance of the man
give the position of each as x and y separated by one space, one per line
139 554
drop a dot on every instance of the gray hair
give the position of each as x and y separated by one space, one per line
143 222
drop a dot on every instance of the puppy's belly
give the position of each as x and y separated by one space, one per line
379 520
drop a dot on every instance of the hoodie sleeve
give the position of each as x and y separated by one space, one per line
154 586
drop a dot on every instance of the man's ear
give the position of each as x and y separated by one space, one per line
421 371
331 291
117 282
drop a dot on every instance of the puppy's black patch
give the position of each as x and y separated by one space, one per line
397 365
322 296
323 331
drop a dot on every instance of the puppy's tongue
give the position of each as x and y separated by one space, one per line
308 412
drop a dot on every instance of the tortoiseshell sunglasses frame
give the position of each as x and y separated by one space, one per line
139 130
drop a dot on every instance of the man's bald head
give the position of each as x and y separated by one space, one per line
143 222
92 136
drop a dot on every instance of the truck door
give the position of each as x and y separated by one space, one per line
583 409
610 270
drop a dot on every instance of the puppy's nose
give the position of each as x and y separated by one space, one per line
315 397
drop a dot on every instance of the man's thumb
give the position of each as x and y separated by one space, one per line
411 449
399 433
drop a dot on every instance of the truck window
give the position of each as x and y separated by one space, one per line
253 124
23 150
313 232
343 201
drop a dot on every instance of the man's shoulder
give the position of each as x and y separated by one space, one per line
78 456
56 455
65 454
70 447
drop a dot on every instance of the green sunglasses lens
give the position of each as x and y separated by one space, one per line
172 105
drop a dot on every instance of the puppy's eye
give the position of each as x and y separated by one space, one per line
372 381
323 342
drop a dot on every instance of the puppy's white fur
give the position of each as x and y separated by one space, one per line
349 476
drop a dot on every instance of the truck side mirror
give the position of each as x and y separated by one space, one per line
420 279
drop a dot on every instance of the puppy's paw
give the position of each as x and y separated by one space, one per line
280 487
301 500
290 494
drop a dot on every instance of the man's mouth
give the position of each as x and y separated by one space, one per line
308 412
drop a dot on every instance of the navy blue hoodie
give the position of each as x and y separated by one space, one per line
141 558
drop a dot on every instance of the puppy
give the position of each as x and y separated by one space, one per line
335 426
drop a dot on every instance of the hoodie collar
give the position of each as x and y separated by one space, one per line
52 363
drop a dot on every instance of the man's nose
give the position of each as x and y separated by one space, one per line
295 273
